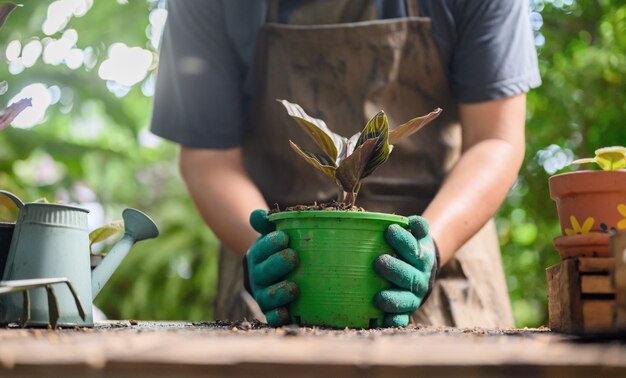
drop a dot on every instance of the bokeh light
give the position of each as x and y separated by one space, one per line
31 53
554 158
34 114
125 65
13 50
157 23
61 11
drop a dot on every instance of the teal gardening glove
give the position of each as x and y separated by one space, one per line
266 264
412 272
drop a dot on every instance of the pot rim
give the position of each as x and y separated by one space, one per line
567 183
339 214
590 239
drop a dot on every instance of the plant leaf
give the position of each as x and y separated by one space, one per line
332 144
12 111
350 171
377 127
584 161
106 231
608 158
319 161
5 10
611 158
351 144
412 126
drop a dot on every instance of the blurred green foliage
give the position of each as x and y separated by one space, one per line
581 106
95 139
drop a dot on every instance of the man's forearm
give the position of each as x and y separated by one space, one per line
477 185
471 195
223 194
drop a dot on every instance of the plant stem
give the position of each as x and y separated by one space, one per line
350 198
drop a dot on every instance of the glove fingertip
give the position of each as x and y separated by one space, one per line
290 258
396 320
382 264
393 232
419 226
259 220
278 317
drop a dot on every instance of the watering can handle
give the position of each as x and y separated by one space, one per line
18 202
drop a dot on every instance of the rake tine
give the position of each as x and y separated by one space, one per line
25 308
53 308
79 307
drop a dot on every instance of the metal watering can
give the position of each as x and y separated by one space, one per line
52 240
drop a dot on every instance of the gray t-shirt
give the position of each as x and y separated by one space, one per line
204 84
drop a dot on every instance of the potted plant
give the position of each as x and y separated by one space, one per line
338 243
591 204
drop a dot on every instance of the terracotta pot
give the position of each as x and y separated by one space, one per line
585 245
588 203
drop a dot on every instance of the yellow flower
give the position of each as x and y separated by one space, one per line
577 229
621 225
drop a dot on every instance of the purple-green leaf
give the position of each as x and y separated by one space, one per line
350 171
319 161
377 127
412 126
12 111
351 145
332 144
5 10
347 161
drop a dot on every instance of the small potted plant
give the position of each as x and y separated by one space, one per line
338 243
591 204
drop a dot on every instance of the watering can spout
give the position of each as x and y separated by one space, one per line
137 226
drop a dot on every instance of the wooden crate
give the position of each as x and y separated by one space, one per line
581 295
618 247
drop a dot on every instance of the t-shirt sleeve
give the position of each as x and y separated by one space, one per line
198 101
494 56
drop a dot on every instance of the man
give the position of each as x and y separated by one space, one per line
222 67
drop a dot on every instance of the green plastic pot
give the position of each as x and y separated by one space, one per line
335 275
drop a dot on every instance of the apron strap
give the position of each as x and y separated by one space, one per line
413 8
272 11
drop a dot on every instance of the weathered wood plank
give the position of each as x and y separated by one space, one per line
596 264
564 305
163 349
590 284
598 314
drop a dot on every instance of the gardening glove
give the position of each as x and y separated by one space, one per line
266 264
412 271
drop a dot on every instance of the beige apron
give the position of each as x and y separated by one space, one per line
344 74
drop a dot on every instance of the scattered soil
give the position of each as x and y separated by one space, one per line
255 327
326 206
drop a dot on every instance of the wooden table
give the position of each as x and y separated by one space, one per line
155 349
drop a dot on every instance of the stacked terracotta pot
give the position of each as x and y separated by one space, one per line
591 206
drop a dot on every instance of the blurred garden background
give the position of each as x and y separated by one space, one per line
90 66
